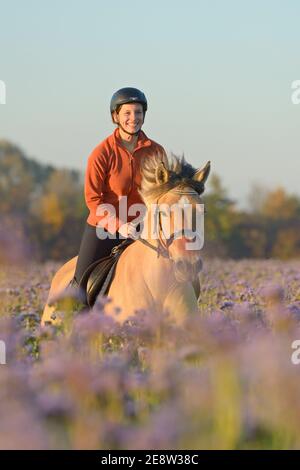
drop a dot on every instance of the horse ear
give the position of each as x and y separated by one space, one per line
201 175
161 174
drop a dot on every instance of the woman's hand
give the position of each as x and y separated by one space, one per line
128 231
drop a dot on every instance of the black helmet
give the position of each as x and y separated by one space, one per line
127 95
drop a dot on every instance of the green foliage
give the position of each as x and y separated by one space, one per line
42 208
43 213
269 229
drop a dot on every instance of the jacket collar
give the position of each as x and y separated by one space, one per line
143 140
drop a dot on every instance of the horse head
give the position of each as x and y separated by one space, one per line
171 189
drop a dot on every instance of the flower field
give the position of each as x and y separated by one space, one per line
223 381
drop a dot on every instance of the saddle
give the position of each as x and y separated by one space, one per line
98 277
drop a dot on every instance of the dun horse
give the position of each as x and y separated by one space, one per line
154 272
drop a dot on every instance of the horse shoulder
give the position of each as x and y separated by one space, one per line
63 276
132 286
130 272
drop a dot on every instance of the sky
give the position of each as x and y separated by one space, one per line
217 76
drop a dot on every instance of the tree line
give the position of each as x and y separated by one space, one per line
42 211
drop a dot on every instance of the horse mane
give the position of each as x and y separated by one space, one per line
180 174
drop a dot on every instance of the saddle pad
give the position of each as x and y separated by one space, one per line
99 275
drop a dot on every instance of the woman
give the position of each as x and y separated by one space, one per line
113 172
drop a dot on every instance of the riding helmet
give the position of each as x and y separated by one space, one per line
127 95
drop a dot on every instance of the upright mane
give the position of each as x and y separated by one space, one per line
177 173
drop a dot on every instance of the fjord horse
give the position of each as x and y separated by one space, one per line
153 273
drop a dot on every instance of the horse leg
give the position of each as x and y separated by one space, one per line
181 302
197 287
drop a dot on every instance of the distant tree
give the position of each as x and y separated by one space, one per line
249 238
42 208
58 214
42 214
287 241
19 178
256 198
279 205
220 217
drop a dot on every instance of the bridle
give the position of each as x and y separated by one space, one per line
163 244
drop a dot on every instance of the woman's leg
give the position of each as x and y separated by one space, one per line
91 249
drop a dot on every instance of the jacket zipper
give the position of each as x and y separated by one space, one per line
131 168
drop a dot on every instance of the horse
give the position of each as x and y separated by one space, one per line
156 273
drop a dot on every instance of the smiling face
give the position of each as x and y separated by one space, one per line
130 117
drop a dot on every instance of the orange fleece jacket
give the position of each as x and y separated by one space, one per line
112 172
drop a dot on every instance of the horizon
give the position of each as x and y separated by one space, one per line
246 207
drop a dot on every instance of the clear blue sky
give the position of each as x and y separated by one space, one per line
217 76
